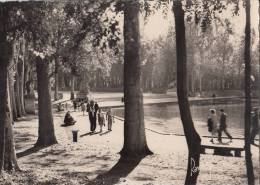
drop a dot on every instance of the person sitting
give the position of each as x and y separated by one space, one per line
68 120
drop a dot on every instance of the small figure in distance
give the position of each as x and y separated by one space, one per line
68 120
101 119
60 107
255 125
66 106
223 126
83 108
110 119
74 105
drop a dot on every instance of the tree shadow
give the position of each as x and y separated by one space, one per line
26 118
120 170
104 133
29 151
89 134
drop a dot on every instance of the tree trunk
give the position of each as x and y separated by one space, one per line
10 160
56 88
20 70
13 103
259 70
28 81
17 96
192 138
46 134
72 94
5 52
134 128
247 58
3 97
5 56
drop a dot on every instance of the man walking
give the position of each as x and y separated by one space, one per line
223 126
255 125
92 114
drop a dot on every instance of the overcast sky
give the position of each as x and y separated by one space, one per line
157 25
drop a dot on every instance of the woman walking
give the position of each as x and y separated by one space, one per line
213 118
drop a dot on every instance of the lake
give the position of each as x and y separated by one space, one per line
165 118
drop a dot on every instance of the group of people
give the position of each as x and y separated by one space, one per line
216 128
213 125
95 114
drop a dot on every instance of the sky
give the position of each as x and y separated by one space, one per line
158 25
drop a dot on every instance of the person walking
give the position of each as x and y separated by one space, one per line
74 105
255 125
213 117
83 108
223 126
92 114
101 119
110 119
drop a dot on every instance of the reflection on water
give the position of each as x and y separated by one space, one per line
166 117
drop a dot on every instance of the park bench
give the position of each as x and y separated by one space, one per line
224 150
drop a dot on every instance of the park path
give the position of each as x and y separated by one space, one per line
96 154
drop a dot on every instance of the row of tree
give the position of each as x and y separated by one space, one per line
49 47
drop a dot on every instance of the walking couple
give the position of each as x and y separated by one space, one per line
213 125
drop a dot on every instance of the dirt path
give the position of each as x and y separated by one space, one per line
94 159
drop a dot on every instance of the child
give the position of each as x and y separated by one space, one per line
101 119
110 119
83 108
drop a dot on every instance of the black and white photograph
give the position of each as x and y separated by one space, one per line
129 92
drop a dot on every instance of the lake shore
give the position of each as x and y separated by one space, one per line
86 161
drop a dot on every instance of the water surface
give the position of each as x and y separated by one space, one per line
166 117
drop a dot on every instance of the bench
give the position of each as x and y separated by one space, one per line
222 150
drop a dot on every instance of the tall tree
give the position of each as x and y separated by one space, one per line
4 59
20 70
38 13
46 134
247 60
10 160
134 129
259 67
192 138
7 151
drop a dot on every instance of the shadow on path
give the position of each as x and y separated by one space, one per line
89 134
121 169
29 151
104 133
255 144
